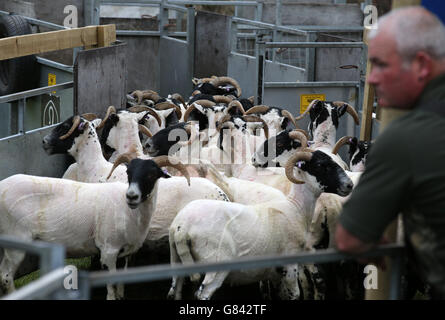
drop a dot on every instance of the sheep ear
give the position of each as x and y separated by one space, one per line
96 122
165 174
299 164
195 81
342 110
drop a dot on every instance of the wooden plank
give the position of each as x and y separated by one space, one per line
106 35
368 100
403 3
19 46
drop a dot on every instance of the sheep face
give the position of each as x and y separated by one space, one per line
162 142
324 114
324 174
142 177
275 120
118 128
358 151
275 151
53 145
207 88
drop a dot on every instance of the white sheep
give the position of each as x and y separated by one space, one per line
87 218
211 231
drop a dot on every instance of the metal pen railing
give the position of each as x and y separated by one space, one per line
21 97
159 272
51 258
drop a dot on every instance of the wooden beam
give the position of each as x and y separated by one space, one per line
19 46
403 3
368 100
106 35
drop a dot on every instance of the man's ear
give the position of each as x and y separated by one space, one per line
423 66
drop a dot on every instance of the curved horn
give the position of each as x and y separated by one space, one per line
222 99
178 97
191 131
188 111
303 132
123 158
163 161
205 103
221 80
169 105
304 155
76 121
145 130
250 118
313 103
298 135
258 109
110 110
288 115
340 143
202 103
236 104
138 109
349 109
223 120
150 95
90 116
138 94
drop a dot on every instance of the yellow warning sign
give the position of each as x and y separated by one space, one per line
306 99
51 79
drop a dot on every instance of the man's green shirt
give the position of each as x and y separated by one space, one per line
405 172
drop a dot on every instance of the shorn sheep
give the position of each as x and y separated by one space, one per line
87 218
211 231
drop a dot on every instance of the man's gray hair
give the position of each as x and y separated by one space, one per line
415 29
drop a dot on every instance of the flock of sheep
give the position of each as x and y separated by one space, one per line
239 183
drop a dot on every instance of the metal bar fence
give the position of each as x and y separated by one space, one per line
159 272
52 257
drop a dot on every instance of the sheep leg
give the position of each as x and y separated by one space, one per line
11 261
120 286
108 258
289 289
212 282
265 290
175 291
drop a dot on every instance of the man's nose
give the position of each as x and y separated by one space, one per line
372 77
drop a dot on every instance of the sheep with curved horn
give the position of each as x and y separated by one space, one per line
224 80
208 231
81 223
